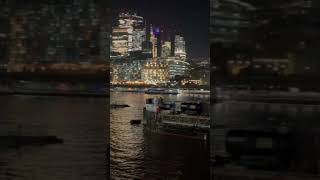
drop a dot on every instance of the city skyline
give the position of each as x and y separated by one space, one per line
134 36
171 16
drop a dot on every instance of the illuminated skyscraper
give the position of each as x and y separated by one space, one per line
147 44
119 46
138 36
180 47
166 49
128 35
154 41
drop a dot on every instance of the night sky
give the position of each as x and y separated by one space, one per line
188 17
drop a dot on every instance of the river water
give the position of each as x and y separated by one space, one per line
139 154
80 122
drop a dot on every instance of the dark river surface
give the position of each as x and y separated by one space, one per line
80 122
139 154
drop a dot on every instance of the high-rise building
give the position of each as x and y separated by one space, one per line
159 34
134 25
172 40
128 36
180 47
147 44
166 49
177 67
138 36
154 41
119 46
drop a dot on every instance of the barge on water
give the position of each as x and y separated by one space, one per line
187 119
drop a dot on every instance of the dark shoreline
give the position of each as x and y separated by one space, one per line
11 84
84 95
17 141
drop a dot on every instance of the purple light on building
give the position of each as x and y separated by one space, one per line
156 31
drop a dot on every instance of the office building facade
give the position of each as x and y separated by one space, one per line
128 35
180 47
166 49
177 67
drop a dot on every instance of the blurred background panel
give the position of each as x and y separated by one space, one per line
264 93
54 86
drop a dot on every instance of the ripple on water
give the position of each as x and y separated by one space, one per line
135 153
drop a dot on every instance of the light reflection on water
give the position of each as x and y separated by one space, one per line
136 153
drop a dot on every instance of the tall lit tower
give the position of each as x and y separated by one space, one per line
147 44
180 47
129 35
154 41
166 49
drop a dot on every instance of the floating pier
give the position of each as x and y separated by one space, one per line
196 127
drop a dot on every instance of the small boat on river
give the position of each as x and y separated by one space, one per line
187 119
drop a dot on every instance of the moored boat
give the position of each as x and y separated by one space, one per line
178 118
